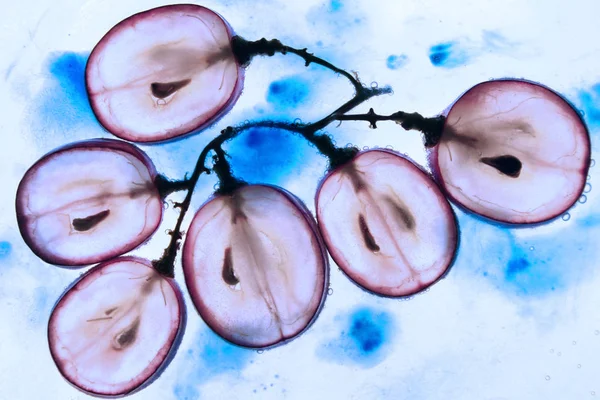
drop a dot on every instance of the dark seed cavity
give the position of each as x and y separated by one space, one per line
127 336
110 310
506 164
402 214
367 236
87 223
163 90
228 274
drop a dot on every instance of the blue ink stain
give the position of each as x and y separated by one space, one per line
40 307
62 104
447 55
211 356
335 5
335 18
517 265
396 62
5 249
265 155
288 93
363 341
556 262
590 102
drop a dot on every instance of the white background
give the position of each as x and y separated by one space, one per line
472 336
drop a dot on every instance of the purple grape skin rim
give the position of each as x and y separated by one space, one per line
217 115
175 341
103 144
457 236
435 168
310 220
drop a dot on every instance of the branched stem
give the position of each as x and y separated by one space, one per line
244 51
431 127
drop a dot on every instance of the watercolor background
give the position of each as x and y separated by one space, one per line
518 315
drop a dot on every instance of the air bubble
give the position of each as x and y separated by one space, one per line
330 291
587 188
547 377
374 85
166 205
349 145
551 350
389 147
593 393
260 351
578 365
582 113
592 162
531 248
559 354
566 217
583 198
297 121
597 332
589 177
365 147
574 342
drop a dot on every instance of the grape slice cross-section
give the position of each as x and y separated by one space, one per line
255 266
88 202
512 151
163 73
116 327
386 224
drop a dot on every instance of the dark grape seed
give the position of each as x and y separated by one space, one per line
87 223
228 274
163 90
403 214
508 165
367 236
128 336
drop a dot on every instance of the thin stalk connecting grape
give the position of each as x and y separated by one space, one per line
244 51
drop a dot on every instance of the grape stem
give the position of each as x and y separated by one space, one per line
430 127
244 52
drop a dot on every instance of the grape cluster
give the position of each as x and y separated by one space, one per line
255 260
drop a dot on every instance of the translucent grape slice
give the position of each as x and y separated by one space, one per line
255 266
88 202
512 151
386 224
116 328
163 73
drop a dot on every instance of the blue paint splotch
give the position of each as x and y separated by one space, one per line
62 104
5 249
265 155
395 62
448 55
41 306
364 340
288 93
538 266
210 357
589 99
335 17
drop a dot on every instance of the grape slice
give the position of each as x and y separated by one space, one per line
117 327
512 151
88 202
255 266
386 223
163 73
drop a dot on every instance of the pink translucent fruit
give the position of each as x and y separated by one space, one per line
87 202
116 327
163 72
512 151
386 223
255 266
